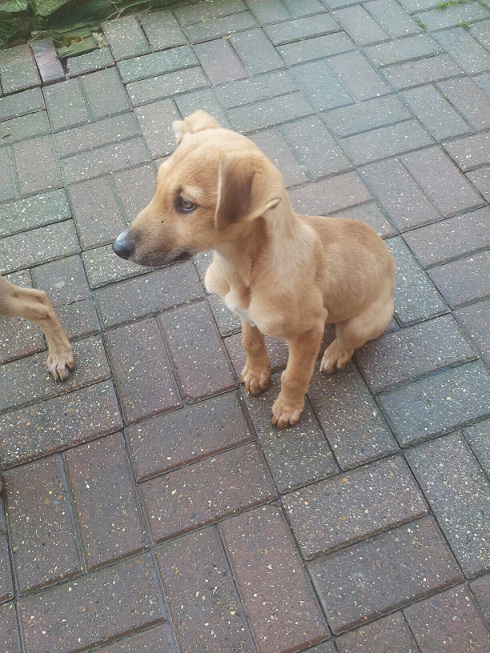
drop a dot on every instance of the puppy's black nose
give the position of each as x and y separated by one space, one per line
123 246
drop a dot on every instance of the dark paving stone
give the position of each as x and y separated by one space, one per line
162 30
114 99
423 71
93 135
464 49
402 50
37 165
206 492
157 63
18 69
9 634
219 61
451 16
100 270
321 86
371 214
357 76
384 573
302 28
163 86
330 195
360 25
268 113
204 99
184 436
58 97
354 427
481 179
142 370
201 594
437 404
156 124
21 103
461 282
450 623
275 146
270 11
8 187
345 509
125 37
24 127
58 423
127 599
246 91
41 525
221 27
317 47
35 211
468 99
89 62
387 635
134 188
6 580
459 494
481 589
108 512
367 115
470 152
283 611
393 19
478 437
156 639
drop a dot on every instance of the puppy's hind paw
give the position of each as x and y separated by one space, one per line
335 358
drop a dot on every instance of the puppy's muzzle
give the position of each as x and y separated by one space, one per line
123 246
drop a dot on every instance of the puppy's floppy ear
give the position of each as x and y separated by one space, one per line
196 122
248 186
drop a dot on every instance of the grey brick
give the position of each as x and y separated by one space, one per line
481 590
401 50
423 71
8 180
192 13
439 403
481 179
219 27
275 147
371 214
18 69
89 62
302 28
162 30
451 16
465 50
474 319
469 100
459 494
451 238
359 24
416 297
318 47
114 99
358 76
66 104
392 18
219 61
101 270
478 437
387 582
345 509
256 52
387 634
413 352
471 151
9 631
268 11
461 282
23 127
37 165
35 211
22 103
156 124
204 99
91 136
256 89
125 37
329 195
135 188
354 426
304 8
269 112
150 65
321 86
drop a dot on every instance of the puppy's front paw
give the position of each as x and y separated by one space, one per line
255 379
286 413
61 364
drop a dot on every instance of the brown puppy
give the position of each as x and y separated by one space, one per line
285 275
34 305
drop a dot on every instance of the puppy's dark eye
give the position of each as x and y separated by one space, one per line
184 206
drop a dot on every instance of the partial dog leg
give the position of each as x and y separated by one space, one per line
34 305
354 333
257 371
303 351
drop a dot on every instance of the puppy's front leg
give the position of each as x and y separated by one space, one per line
257 371
303 351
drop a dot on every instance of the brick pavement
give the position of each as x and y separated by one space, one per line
149 504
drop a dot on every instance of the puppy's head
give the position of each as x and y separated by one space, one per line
215 181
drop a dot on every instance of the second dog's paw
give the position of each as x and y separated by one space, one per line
255 380
286 413
61 364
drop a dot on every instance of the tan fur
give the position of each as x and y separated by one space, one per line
285 275
34 305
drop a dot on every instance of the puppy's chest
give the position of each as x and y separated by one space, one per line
239 303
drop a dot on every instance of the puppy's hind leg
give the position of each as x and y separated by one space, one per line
257 371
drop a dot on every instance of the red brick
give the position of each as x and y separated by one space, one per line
157 639
79 614
104 497
206 491
201 595
41 524
388 635
282 608
9 634
449 623
384 573
178 438
47 62
142 371
196 350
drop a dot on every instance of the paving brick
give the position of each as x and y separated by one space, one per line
35 211
350 419
157 63
156 639
105 501
480 32
399 195
256 52
386 142
36 165
359 24
8 180
317 47
89 62
330 195
49 65
39 245
465 50
345 509
135 188
451 16
148 294
437 404
219 61
6 583
256 89
65 95
114 99
156 124
18 69
269 112
481 589
142 371
296 457
357 76
474 320
96 212
387 635
100 606
41 525
401 50
226 321
481 179
184 436
162 30
268 11
423 71
125 37
189 14
304 8
58 423
393 19
371 214
383 573
206 492
168 85
9 634
448 623
413 352
470 152
451 238
202 596
315 148
283 611
301 28
435 112
459 495
204 99
469 100
89 137
219 27
22 103
478 438
273 144
99 266
23 127
200 360
461 282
